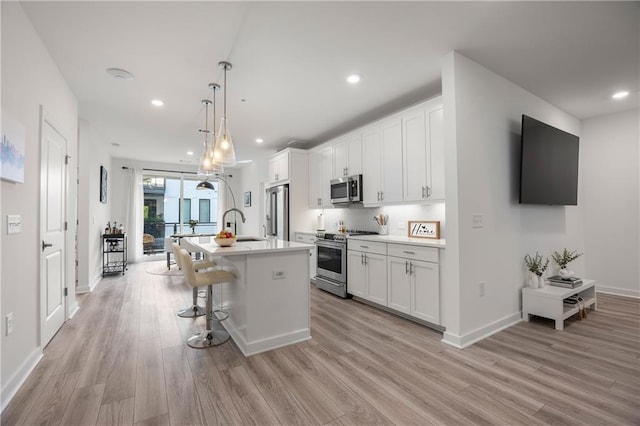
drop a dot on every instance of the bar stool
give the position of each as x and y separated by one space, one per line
194 310
209 337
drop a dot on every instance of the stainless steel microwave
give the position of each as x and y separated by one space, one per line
346 190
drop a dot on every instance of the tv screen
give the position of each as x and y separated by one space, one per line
548 165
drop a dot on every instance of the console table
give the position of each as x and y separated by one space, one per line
548 302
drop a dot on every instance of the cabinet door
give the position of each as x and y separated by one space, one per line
315 180
391 162
376 266
372 166
399 284
425 291
356 281
273 169
414 144
283 166
340 158
436 155
354 155
325 184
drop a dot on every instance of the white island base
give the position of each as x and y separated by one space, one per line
268 303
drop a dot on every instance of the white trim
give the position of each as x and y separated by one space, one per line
10 390
74 309
258 346
91 286
478 334
616 291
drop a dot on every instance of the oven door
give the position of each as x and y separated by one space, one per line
332 260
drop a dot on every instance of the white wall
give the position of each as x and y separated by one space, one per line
250 178
482 132
610 153
30 78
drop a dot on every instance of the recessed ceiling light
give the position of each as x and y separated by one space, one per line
353 78
120 74
259 140
157 102
189 152
620 95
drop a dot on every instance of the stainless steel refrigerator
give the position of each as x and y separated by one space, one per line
277 214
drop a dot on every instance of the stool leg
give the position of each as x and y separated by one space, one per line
210 337
220 314
194 310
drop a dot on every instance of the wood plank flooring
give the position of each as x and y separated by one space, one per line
123 360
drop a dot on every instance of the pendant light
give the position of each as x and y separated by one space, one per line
224 152
207 166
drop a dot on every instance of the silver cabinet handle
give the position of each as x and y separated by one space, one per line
406 267
378 195
45 245
319 201
362 259
428 192
381 195
424 190
365 259
408 252
364 246
410 268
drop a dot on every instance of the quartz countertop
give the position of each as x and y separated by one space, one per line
401 239
246 247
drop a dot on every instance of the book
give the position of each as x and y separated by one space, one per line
565 284
560 278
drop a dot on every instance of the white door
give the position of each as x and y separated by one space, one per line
356 273
399 284
425 291
52 218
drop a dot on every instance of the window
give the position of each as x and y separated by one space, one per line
204 213
186 205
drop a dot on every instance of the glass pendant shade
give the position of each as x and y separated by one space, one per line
224 153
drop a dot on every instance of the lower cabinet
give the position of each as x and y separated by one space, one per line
406 279
308 238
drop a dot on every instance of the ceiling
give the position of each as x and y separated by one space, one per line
290 61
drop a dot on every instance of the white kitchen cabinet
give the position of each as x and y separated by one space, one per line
278 167
347 156
367 271
309 238
414 281
423 152
382 163
320 172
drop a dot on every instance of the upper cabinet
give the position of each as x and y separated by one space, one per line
320 173
347 156
382 163
423 152
278 167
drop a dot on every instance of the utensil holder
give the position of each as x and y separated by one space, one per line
384 230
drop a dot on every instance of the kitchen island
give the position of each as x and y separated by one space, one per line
268 303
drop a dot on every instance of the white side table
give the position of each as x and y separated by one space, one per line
548 301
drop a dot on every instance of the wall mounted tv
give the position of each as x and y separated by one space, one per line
548 165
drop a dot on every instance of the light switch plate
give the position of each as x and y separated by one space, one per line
478 221
14 224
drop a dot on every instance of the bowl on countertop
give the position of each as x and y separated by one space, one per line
225 242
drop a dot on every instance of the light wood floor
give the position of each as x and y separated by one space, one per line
122 360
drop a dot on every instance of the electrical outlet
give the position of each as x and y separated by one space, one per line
278 275
9 323
478 221
481 288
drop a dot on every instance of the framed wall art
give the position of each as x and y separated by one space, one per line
247 199
103 185
12 150
424 229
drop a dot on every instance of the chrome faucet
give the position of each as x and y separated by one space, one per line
224 216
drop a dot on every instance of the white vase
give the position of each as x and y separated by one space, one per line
533 280
541 282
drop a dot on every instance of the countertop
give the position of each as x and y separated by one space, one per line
401 239
246 247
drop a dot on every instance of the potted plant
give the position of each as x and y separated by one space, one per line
563 259
192 225
536 265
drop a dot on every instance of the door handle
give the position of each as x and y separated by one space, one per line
45 245
406 267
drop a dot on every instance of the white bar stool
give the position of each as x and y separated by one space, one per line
194 310
209 337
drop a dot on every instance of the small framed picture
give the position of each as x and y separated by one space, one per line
424 229
247 199
103 185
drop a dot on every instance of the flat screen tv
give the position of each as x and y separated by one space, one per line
548 165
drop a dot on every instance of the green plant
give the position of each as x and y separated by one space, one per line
565 258
536 264
192 225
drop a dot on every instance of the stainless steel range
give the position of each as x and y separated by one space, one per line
331 268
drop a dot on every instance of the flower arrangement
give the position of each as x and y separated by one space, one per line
192 225
536 264
565 258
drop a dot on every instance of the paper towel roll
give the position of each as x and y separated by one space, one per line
320 222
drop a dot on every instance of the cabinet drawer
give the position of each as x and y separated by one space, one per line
305 238
367 246
427 254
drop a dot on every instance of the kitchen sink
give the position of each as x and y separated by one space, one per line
246 238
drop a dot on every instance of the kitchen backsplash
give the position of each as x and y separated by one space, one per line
361 218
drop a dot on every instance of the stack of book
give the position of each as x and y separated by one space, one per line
567 282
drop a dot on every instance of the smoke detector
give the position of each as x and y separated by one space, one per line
120 74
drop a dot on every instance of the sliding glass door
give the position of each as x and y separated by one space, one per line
173 205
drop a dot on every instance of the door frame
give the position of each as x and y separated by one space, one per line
45 119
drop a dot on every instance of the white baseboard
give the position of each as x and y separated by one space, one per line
618 291
258 346
478 334
88 288
74 309
19 377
